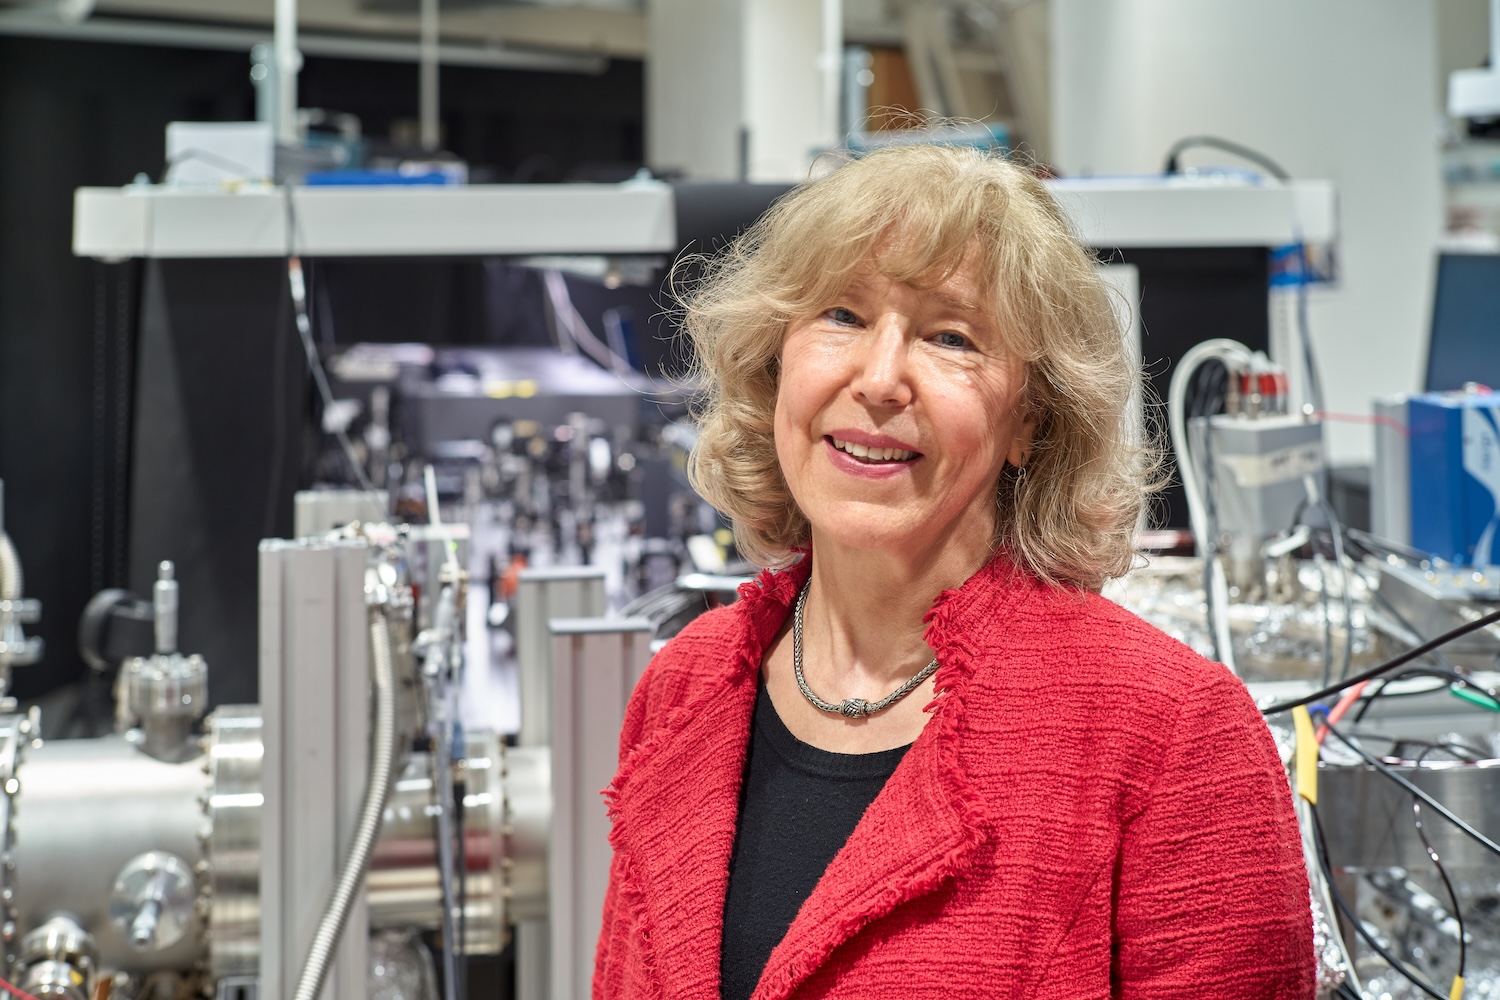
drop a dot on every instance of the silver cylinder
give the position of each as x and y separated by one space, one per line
1368 819
83 810
507 810
235 752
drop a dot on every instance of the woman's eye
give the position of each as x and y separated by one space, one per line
950 339
841 315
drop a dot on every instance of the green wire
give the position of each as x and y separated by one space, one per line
1474 697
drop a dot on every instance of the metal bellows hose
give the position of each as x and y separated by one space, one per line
362 845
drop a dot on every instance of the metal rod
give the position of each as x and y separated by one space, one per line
288 63
428 78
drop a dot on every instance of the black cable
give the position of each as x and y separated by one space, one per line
1376 545
298 288
1304 331
1451 676
1404 622
1454 747
1383 692
1226 145
1276 170
1335 531
1327 623
1399 660
1211 555
1335 528
1370 543
1206 393
1346 992
1416 810
1395 963
460 965
1437 806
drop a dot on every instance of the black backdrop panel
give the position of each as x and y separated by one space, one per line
218 448
75 114
1190 295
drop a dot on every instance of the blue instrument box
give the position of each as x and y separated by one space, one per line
1455 476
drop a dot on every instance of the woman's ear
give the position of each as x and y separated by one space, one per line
1021 444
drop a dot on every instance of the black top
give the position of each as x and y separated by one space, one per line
798 805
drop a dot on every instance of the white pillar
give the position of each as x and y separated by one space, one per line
288 64
742 89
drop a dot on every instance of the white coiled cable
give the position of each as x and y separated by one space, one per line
362 845
1231 352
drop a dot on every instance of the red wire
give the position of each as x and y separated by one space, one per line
15 991
1349 698
1365 418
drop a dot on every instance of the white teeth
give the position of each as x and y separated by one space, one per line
874 454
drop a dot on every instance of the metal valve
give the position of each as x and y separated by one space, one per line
166 691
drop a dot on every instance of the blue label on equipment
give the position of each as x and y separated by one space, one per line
1455 476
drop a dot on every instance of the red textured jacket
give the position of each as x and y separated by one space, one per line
1092 811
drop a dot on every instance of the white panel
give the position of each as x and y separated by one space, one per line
393 221
314 681
350 713
786 87
272 897
488 219
310 851
1338 89
542 595
694 87
596 663
742 89
1123 212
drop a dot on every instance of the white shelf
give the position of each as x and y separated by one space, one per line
631 218
119 223
1197 212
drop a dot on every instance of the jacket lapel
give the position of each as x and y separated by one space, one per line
917 835
678 794
924 827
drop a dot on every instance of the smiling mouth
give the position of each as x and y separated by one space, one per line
873 456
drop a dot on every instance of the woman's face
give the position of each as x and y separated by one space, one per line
898 408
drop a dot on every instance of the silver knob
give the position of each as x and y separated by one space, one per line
164 598
152 900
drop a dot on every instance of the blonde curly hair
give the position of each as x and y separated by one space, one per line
918 212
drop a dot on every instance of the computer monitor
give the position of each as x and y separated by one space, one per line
1465 344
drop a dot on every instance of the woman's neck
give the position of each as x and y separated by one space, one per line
863 620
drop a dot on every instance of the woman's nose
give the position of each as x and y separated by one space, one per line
881 375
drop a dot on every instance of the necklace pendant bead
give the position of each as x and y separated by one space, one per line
850 708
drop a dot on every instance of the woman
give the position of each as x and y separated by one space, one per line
922 757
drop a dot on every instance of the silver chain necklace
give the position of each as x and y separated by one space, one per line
852 708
